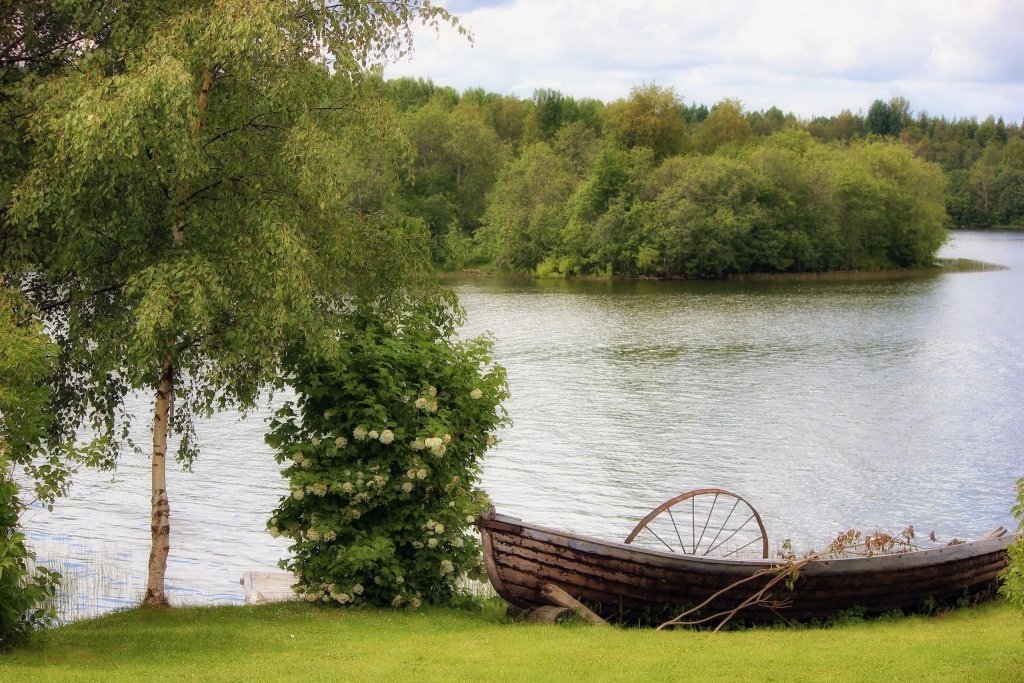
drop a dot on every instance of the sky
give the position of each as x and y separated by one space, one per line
949 58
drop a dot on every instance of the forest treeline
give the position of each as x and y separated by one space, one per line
651 186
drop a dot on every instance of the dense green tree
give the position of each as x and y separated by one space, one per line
595 237
526 210
507 117
650 117
187 167
412 93
888 118
892 206
695 113
770 121
457 158
705 217
799 231
844 127
1008 206
548 112
579 145
725 125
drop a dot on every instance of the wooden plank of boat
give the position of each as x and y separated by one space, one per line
626 583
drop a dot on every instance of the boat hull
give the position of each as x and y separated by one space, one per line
627 584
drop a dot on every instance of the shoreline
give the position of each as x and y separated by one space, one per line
942 265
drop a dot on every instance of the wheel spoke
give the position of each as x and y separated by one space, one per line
693 521
647 528
682 546
745 545
723 525
738 529
710 512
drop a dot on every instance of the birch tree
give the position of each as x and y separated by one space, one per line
204 186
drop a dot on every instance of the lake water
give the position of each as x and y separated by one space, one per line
827 404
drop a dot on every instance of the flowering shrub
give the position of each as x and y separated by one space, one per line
383 448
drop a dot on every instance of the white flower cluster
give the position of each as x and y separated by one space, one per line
447 567
302 461
407 487
476 394
426 404
341 442
361 433
315 441
434 527
436 445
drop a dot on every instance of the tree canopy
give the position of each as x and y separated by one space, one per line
207 183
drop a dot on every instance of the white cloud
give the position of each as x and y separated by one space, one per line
947 57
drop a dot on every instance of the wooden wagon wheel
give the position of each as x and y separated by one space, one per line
708 522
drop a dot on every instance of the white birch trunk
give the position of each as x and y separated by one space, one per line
161 511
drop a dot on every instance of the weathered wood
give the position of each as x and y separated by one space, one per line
642 580
548 614
517 613
628 584
998 532
563 599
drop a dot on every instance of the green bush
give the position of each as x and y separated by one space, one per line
24 589
382 451
1013 576
24 418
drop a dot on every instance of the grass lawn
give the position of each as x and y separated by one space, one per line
299 642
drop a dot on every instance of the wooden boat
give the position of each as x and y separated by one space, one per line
629 584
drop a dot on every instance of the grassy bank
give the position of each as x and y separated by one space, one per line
299 642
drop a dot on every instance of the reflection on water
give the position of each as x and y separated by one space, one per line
873 404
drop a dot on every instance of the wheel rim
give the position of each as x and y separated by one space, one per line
707 522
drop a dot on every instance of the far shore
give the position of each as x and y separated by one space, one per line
942 265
